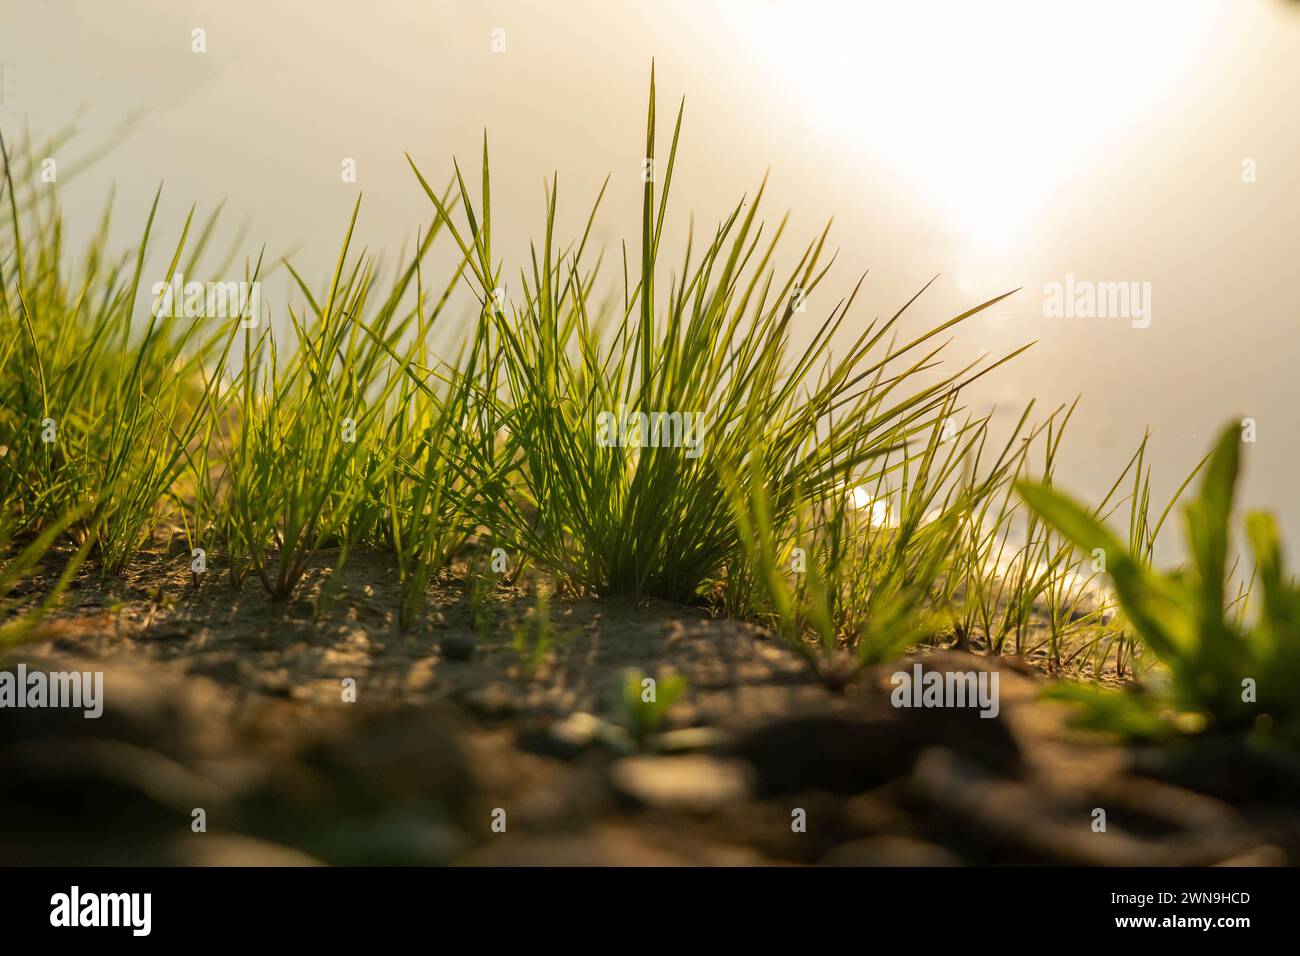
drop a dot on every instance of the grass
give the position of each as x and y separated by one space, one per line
534 637
97 415
710 347
655 432
842 571
1221 672
644 702
309 452
23 562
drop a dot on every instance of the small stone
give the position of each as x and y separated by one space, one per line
576 734
693 782
690 740
493 702
457 645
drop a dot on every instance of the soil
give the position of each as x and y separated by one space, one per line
448 750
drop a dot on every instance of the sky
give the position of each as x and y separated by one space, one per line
1055 148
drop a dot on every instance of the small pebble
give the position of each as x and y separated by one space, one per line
457 645
693 782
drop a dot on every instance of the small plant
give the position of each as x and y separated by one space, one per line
480 585
862 570
644 702
16 566
1220 672
534 637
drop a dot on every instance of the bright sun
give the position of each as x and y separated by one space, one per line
983 109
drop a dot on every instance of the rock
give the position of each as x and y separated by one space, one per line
575 735
127 780
1163 808
839 754
457 645
1014 822
230 849
1240 771
386 760
871 742
694 782
868 814
492 703
690 740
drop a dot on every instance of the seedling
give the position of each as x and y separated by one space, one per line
480 587
535 636
644 702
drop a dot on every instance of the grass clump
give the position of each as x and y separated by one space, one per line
352 439
869 566
624 415
97 417
303 458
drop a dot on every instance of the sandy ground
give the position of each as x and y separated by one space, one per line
222 701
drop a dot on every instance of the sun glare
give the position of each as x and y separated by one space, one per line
983 131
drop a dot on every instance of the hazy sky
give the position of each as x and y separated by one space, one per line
998 144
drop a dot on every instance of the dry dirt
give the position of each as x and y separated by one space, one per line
222 700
